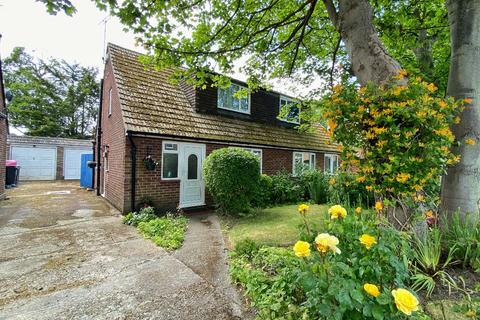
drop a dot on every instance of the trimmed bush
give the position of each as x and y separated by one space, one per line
232 176
263 198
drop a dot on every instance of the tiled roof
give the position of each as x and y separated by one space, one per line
151 104
13 139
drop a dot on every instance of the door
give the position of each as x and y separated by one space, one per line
86 173
72 163
192 186
35 163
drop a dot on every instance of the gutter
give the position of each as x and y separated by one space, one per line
133 157
213 141
99 138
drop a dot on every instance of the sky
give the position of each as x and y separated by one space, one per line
80 38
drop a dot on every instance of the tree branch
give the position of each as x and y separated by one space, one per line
334 59
332 12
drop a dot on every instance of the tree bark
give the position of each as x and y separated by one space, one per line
461 184
370 60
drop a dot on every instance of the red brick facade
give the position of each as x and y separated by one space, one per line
112 144
165 194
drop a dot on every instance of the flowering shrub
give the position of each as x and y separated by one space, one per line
145 214
402 131
352 268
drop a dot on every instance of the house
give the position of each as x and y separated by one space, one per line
144 115
48 158
3 134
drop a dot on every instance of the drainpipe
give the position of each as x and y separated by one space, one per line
99 138
133 157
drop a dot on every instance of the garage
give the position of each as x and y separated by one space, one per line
72 163
35 163
48 158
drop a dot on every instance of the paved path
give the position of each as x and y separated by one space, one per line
64 254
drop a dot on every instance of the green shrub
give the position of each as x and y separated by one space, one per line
325 285
144 215
167 232
316 183
464 235
232 176
286 189
263 198
344 188
247 248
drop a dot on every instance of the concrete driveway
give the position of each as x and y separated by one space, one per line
64 254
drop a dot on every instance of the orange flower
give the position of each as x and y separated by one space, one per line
468 100
470 141
431 87
378 206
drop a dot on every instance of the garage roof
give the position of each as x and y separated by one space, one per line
13 139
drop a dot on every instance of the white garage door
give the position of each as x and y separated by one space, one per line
35 163
72 162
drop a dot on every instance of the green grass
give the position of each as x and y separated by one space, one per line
277 226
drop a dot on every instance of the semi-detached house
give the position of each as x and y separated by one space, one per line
144 115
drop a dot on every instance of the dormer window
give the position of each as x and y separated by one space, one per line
227 100
289 110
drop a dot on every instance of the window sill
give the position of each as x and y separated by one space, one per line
236 111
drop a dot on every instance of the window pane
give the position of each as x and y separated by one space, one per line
171 146
327 164
192 167
170 165
312 161
334 163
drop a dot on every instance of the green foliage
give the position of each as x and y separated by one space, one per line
463 233
429 263
315 183
263 198
403 132
56 6
417 34
167 231
285 189
232 177
326 286
344 188
247 248
144 215
51 97
269 280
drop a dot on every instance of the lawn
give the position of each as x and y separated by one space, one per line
277 226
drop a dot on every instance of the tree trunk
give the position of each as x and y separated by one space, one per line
370 60
461 185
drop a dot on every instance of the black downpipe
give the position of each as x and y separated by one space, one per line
133 155
99 137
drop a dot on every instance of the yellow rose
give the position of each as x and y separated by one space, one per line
301 249
303 209
367 240
337 211
358 210
326 242
378 206
371 289
405 301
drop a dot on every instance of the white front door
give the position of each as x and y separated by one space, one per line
192 186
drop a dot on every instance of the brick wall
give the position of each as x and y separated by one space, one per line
59 174
113 143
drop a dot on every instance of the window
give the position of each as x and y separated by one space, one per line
192 168
170 161
110 102
257 153
227 100
303 161
331 163
289 110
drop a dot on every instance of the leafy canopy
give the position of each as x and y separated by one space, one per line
51 97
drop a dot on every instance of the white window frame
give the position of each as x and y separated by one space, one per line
233 110
312 164
332 157
260 158
110 102
171 152
288 100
